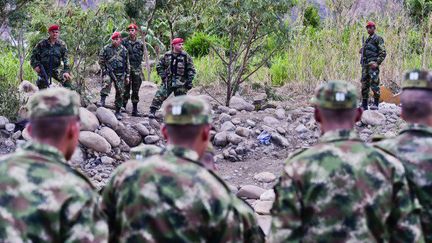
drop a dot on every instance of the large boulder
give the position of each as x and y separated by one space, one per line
221 139
89 122
143 130
129 135
107 117
240 104
94 141
110 136
373 117
250 192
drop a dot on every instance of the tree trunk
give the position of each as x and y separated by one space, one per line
146 56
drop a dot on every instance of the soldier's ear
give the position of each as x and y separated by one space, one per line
359 113
164 132
205 134
30 129
317 115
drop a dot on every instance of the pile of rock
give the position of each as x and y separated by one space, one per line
9 138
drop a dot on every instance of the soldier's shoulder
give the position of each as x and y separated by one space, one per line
61 43
42 43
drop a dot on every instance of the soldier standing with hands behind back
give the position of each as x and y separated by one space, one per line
114 61
373 54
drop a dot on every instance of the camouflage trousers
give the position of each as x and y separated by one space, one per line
119 88
135 84
56 74
370 80
164 92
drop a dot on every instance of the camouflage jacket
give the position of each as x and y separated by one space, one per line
343 190
136 52
42 199
50 56
374 50
173 198
413 147
176 69
116 58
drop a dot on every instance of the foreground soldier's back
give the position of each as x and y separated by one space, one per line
413 145
42 199
342 190
172 197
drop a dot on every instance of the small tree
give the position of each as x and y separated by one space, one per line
245 26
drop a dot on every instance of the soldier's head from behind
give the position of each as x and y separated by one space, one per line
132 29
336 106
177 45
187 123
116 39
370 27
416 98
54 119
54 32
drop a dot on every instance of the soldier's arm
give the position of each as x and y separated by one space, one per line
190 69
161 67
102 59
109 209
35 56
127 64
65 58
381 51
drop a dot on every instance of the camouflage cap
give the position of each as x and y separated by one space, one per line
186 110
417 79
53 102
335 95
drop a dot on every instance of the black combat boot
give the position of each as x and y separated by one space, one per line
123 109
364 104
102 101
135 109
375 104
152 113
118 114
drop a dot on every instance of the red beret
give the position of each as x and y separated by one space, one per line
53 27
132 26
370 24
177 41
115 35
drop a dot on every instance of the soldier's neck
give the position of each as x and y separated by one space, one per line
132 38
52 41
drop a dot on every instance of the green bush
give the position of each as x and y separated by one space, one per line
207 69
311 16
199 44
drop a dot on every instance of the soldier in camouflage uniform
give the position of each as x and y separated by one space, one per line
373 54
172 197
42 199
177 72
114 61
46 59
414 143
135 49
342 190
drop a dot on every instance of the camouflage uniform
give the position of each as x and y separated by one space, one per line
414 147
343 190
136 51
50 57
42 199
117 58
173 198
373 52
177 73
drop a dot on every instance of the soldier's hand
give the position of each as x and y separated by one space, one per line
67 76
37 69
374 65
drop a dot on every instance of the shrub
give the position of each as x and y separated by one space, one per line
199 44
311 16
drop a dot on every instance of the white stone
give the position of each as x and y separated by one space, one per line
240 104
265 177
10 127
223 109
224 117
373 118
142 130
107 117
250 191
280 130
301 129
243 131
221 139
263 207
3 122
232 112
236 121
77 157
251 123
107 160
279 139
94 141
88 121
268 195
271 121
152 139
17 135
234 138
110 136
264 221
227 126
280 114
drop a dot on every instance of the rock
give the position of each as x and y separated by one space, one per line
280 114
281 130
148 85
106 117
107 160
259 100
232 188
227 126
152 139
221 139
142 130
234 138
9 143
265 177
264 221
110 136
224 117
279 139
389 134
240 104
301 129
263 207
3 122
250 191
10 127
124 147
26 135
268 195
129 135
251 123
88 121
16 135
236 121
373 117
77 158
232 112
268 129
92 108
271 121
94 141
223 109
243 131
